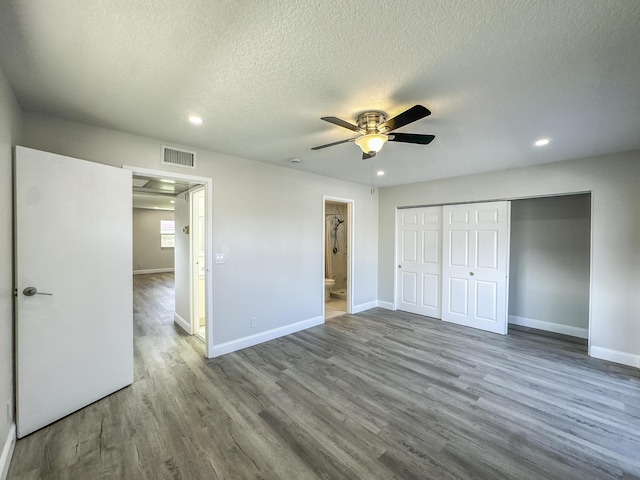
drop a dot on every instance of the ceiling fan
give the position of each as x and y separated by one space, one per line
376 130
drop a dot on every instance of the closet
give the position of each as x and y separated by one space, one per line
487 265
453 263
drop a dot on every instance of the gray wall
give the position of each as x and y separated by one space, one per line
273 268
549 267
147 254
613 181
10 125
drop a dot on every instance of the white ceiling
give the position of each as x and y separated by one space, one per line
497 75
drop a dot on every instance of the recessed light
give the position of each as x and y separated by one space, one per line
195 120
542 142
295 161
380 173
172 201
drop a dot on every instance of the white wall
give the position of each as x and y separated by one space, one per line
147 254
613 181
10 126
550 261
267 220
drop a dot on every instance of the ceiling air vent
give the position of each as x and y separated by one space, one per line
179 158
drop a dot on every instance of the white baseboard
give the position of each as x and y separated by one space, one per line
182 323
386 305
261 337
153 270
549 327
364 306
7 452
615 356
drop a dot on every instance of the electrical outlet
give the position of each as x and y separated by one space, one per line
253 322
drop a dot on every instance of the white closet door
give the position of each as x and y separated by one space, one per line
74 314
419 266
476 265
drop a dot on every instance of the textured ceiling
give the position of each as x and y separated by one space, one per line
497 75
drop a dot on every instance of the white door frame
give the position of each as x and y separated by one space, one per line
207 182
350 241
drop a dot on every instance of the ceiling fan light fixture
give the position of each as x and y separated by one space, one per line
372 142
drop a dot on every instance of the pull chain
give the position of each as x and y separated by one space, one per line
373 178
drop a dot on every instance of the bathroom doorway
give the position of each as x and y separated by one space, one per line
338 241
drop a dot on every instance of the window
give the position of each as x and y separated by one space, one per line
167 234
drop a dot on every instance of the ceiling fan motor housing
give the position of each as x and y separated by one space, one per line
368 122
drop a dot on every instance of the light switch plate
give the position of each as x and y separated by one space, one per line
220 258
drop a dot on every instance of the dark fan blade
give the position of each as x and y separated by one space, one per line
334 143
411 138
340 123
414 113
365 156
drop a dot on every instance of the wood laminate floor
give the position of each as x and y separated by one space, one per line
378 395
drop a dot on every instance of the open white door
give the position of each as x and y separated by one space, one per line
74 337
198 262
476 265
419 240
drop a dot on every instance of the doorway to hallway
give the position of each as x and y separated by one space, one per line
192 200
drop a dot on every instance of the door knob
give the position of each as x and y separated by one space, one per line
399 266
471 274
31 291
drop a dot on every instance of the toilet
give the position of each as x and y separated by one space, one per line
328 283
